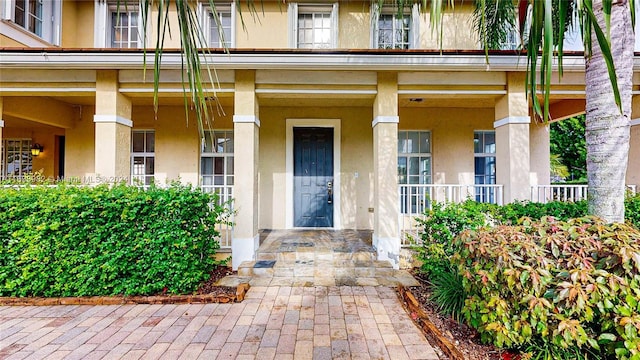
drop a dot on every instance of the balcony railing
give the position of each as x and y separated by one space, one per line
418 198
546 193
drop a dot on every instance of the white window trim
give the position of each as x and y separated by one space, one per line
485 155
293 23
51 33
414 29
418 154
145 155
203 16
102 23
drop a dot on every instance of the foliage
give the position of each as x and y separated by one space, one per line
76 241
448 292
442 223
561 210
570 284
567 140
558 169
541 350
493 21
632 210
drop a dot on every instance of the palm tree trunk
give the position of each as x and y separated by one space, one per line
607 129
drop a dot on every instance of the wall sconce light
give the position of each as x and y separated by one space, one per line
36 149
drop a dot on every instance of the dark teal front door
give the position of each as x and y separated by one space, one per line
313 177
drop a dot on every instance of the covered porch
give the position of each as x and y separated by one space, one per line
394 139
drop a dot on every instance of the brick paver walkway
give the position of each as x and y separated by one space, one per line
272 323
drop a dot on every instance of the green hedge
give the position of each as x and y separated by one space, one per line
445 221
78 241
571 285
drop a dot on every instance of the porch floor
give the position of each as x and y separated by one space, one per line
317 258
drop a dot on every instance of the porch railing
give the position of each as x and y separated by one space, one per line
418 198
225 196
546 193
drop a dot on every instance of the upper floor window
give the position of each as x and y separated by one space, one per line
39 17
394 29
118 24
218 24
314 26
124 26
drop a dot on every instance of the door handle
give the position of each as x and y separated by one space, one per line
330 192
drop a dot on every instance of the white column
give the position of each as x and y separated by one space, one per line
512 140
386 229
246 132
112 130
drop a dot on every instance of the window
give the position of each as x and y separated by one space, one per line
118 24
143 144
123 26
15 158
484 148
218 24
216 163
393 29
512 41
313 26
414 167
39 17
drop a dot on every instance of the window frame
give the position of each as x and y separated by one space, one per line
103 24
296 9
49 33
142 179
412 12
24 149
224 190
482 193
418 155
205 14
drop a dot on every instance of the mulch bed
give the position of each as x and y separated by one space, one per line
206 293
456 340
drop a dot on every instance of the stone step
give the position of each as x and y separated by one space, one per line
308 255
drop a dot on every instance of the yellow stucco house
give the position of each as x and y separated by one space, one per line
334 115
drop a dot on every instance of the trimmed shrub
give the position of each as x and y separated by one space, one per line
120 240
572 284
441 225
632 210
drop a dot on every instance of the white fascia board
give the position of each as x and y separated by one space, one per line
316 61
634 122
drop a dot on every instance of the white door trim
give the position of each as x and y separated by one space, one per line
326 123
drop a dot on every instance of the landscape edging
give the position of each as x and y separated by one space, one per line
241 291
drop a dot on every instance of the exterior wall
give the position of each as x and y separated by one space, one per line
69 31
356 157
82 26
452 138
452 37
80 146
177 150
354 26
539 150
353 20
267 30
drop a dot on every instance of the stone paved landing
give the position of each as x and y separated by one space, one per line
317 258
271 323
